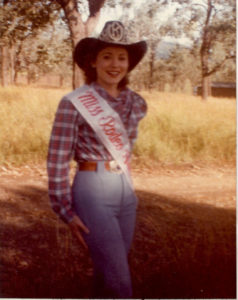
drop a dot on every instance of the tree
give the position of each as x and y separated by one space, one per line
209 38
20 20
189 20
79 29
210 23
30 38
148 24
178 68
52 54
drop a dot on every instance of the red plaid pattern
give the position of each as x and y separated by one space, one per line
73 138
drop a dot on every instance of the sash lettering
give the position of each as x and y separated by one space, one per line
108 126
90 103
106 123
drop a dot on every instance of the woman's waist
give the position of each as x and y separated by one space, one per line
97 165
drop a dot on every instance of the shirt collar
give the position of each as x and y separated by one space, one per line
106 95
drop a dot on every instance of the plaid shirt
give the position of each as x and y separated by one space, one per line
72 137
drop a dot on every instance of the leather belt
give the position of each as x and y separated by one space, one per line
111 166
92 166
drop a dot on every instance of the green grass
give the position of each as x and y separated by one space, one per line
178 128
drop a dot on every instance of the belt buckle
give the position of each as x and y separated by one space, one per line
114 167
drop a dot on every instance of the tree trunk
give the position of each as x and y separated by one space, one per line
78 29
205 52
77 32
209 86
17 63
15 79
151 66
4 59
12 64
61 81
205 88
28 77
206 79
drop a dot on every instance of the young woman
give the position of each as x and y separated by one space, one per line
96 125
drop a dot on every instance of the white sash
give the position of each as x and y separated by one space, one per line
106 123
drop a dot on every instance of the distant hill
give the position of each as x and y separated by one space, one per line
164 48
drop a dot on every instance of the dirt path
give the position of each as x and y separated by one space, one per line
184 244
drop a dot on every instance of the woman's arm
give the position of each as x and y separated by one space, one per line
61 149
138 112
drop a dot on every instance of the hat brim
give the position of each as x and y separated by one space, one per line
136 51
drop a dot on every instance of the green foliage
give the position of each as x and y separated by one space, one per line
21 23
38 39
215 23
184 62
19 19
53 52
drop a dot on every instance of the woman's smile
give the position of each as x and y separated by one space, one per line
113 73
111 66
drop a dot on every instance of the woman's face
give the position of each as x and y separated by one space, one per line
111 66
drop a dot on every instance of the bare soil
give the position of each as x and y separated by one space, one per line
184 245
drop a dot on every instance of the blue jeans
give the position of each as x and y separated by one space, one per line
106 204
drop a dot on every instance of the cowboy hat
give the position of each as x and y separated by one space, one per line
113 34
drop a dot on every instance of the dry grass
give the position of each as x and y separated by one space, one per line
25 124
182 128
178 128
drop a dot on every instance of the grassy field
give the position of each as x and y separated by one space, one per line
26 120
178 128
181 128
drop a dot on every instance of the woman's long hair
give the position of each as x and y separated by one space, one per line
90 73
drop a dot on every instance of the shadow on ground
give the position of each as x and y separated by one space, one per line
181 250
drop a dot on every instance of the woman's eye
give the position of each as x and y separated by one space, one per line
106 57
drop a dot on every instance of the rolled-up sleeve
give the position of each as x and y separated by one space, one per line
61 150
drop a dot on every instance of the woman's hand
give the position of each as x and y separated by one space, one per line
76 226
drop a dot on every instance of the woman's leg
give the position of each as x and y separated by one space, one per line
127 217
99 202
